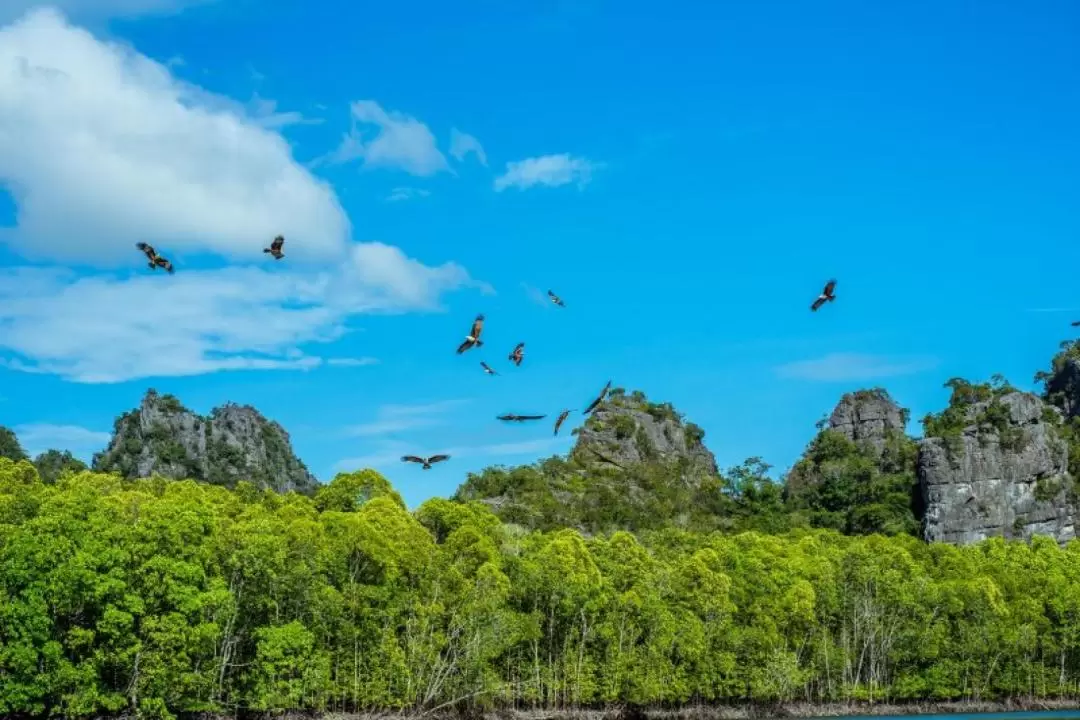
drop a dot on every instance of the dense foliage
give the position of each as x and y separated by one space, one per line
174 596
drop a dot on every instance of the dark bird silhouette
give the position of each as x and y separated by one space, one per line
487 368
599 399
825 296
520 418
1076 324
156 260
275 248
556 299
561 419
518 355
426 462
473 338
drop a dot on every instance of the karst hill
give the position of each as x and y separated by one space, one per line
995 462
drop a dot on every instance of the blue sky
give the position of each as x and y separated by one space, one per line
686 176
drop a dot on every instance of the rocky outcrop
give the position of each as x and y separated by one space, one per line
1062 383
162 437
1003 471
627 430
868 418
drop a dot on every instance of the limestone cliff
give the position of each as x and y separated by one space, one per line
162 437
869 418
995 463
636 465
629 430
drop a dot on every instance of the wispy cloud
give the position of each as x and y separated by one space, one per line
461 144
405 193
352 362
39 437
840 367
266 114
401 141
548 170
397 418
1053 310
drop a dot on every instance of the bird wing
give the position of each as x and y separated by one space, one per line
148 249
464 346
168 267
1076 324
518 348
818 303
412 458
437 458
531 417
276 246
477 327
599 399
562 418
506 417
829 287
486 367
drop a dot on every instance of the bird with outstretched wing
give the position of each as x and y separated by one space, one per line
487 368
825 296
518 354
156 261
561 419
556 299
510 417
425 462
275 248
473 338
599 399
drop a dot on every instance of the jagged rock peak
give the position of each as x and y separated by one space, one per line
1062 383
628 429
868 416
162 437
995 464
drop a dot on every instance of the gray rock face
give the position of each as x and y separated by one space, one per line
162 437
868 417
626 430
1010 480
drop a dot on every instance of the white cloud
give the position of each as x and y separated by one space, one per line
111 329
839 367
401 142
36 438
397 418
11 9
404 193
352 362
549 170
461 144
267 116
102 147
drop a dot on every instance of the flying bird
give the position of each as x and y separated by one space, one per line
825 296
156 260
275 248
520 418
487 368
599 399
473 338
556 299
1076 324
561 419
426 462
518 355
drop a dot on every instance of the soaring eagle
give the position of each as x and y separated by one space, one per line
473 338
556 299
520 418
275 248
487 368
561 419
599 399
156 260
518 355
426 462
825 296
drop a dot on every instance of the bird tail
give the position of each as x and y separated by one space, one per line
478 342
